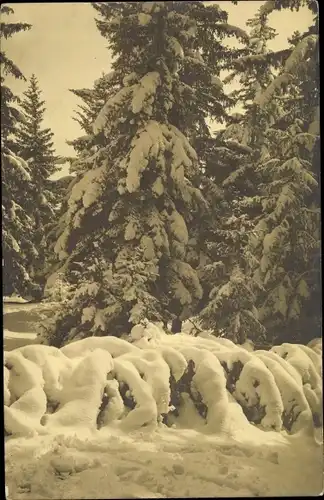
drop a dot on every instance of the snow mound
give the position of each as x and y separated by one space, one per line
146 379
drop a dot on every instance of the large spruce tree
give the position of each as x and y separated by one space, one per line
18 247
126 227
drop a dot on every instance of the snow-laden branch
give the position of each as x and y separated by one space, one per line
300 53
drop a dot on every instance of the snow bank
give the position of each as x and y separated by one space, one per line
255 387
146 379
53 365
302 361
155 371
6 392
160 416
145 411
24 415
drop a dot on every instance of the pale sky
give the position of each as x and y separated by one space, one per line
65 50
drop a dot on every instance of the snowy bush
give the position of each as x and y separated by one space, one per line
148 378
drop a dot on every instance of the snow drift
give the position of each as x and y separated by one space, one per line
95 383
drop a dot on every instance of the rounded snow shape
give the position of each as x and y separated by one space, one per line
23 417
24 375
145 411
113 345
209 380
106 381
81 395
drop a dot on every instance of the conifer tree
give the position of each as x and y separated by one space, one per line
230 294
247 189
260 86
35 146
286 240
125 237
17 194
214 104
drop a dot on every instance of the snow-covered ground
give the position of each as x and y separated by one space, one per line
70 461
13 340
19 318
168 462
14 299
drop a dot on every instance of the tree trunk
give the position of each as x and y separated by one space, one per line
176 325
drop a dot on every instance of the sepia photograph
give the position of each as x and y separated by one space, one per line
161 249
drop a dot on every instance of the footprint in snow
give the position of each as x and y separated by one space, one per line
121 470
235 451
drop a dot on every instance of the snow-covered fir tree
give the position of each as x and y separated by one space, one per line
35 146
35 142
17 191
244 189
228 305
125 234
92 102
230 294
286 240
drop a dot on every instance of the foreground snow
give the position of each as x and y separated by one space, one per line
85 421
176 462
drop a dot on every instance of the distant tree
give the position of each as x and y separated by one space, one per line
35 146
94 99
17 193
35 143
